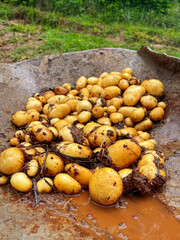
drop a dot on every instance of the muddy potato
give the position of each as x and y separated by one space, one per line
148 144
80 173
81 83
127 132
111 92
53 164
67 184
20 118
126 111
28 150
71 119
154 87
21 182
104 121
128 152
125 172
60 90
59 111
42 134
138 114
84 93
105 186
144 125
33 103
20 135
54 131
32 168
133 94
43 118
11 160
102 136
134 81
84 117
53 121
116 118
48 94
148 101
3 180
156 114
44 185
32 115
74 150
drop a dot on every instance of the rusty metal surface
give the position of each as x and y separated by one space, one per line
20 80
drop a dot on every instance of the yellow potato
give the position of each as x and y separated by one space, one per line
21 182
90 127
156 114
3 180
20 118
43 186
154 87
148 101
81 83
126 111
11 160
144 125
138 114
59 111
32 168
133 94
66 184
33 103
42 134
81 174
105 186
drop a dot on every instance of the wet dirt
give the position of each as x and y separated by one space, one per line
60 217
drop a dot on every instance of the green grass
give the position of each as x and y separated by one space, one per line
33 33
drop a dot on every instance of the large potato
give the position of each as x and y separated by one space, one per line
11 160
21 182
132 94
123 153
105 186
154 87
80 173
66 184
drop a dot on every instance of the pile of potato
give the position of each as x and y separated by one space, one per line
92 137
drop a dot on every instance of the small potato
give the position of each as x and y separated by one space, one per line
73 92
111 92
97 112
156 114
128 70
96 91
80 126
116 118
134 81
116 102
32 115
126 76
105 186
14 141
53 164
129 132
144 125
59 99
154 87
104 121
66 184
138 114
126 111
111 109
62 123
128 152
71 119
54 120
21 182
148 144
84 93
59 111
11 160
3 180
162 104
128 122
48 94
20 135
81 174
110 80
60 90
32 168
125 172
33 103
123 84
67 86
102 136
104 74
54 131
133 94
83 106
81 83
148 101
144 135
92 80
28 151
84 117
43 186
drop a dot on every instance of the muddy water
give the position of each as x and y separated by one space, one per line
134 217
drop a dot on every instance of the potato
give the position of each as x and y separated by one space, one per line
11 160
74 150
83 106
53 164
92 80
20 118
156 114
60 90
67 86
97 112
59 99
125 172
128 152
128 122
84 117
148 101
81 174
21 182
154 87
42 134
133 94
128 70
3 180
32 168
111 92
110 80
144 125
91 126
81 83
144 135
48 94
54 131
72 103
123 84
20 135
62 123
33 103
116 102
14 141
116 118
111 109
128 131
149 144
66 184
105 186
59 111
162 104
102 136
138 114
104 121
84 94
126 111
32 115
28 151
43 186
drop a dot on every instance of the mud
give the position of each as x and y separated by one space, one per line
60 217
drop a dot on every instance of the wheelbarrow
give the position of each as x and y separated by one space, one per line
57 216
